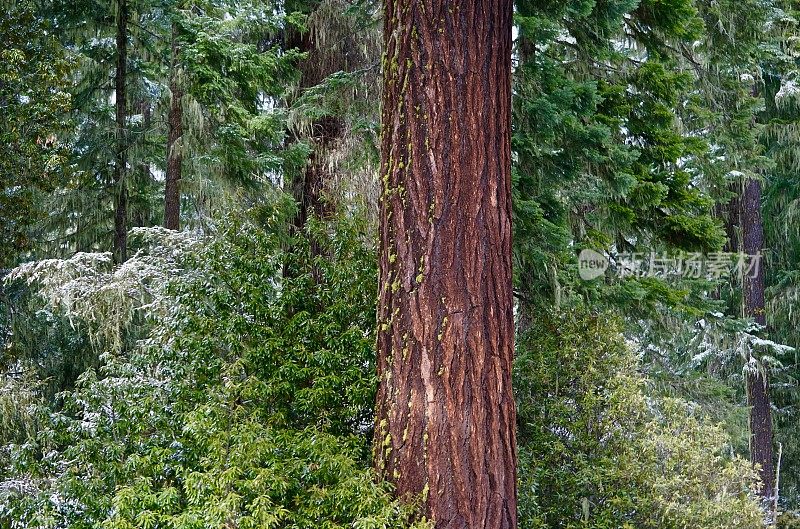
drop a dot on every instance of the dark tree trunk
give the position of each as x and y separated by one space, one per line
309 187
309 184
752 229
730 213
120 162
308 191
445 425
172 192
141 213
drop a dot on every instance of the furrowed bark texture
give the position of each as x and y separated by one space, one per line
121 158
445 425
172 192
752 228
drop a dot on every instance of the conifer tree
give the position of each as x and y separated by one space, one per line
323 131
334 112
780 195
34 105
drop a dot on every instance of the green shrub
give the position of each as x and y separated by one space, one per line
788 520
249 405
596 451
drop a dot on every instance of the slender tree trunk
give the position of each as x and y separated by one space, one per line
140 209
172 192
121 191
753 289
445 425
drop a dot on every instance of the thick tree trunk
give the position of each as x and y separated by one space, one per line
120 162
172 192
752 228
445 425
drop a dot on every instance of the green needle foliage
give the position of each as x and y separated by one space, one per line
34 105
224 375
250 404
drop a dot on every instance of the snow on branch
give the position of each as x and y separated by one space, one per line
103 298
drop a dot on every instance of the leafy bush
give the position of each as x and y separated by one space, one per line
788 520
249 404
596 451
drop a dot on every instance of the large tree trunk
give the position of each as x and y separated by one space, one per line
752 229
172 192
120 162
445 425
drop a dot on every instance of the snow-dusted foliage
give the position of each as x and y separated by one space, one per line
714 342
788 95
242 406
105 299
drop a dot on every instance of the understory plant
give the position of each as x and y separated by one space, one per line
596 450
247 404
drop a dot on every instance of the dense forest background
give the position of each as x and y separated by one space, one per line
189 198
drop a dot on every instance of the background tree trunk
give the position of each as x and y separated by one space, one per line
172 192
752 227
141 213
120 185
445 426
324 132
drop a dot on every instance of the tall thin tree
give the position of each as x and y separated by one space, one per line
445 411
172 192
758 399
121 152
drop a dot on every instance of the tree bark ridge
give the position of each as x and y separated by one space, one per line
445 431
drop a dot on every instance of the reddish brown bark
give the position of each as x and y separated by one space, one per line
752 230
121 158
172 192
445 425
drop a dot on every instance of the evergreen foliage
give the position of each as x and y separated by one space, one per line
249 403
34 101
598 450
224 375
